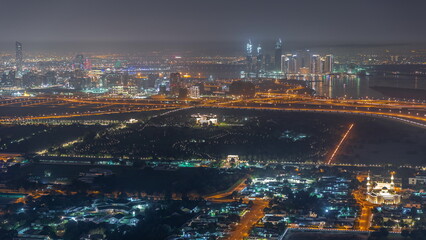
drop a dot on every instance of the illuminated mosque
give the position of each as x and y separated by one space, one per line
382 192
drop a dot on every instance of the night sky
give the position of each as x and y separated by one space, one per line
322 21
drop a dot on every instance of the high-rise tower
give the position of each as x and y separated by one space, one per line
18 59
328 64
278 53
259 61
303 62
249 48
316 64
249 58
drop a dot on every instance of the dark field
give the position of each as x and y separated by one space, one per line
194 181
30 139
254 135
262 136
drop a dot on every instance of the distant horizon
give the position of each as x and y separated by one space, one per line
194 47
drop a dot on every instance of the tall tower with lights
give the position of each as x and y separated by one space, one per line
259 61
249 58
328 64
278 54
368 182
19 58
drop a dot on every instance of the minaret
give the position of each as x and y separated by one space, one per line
392 183
368 183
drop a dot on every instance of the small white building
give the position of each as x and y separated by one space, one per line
204 119
419 179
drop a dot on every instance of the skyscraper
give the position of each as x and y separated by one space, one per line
249 48
19 59
303 62
249 58
328 64
290 64
259 61
285 64
278 53
316 64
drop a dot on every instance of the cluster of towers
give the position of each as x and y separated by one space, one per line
303 62
259 63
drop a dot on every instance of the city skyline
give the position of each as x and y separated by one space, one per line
213 120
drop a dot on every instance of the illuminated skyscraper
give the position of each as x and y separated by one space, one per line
316 64
328 64
292 63
259 61
249 49
259 50
285 64
278 53
19 59
249 58
303 62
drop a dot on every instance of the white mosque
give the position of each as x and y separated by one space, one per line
382 192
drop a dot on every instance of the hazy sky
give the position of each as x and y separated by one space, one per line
332 21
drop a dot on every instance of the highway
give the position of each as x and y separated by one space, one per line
408 112
249 219
364 219
242 230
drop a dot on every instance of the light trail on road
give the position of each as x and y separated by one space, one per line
340 144
256 213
